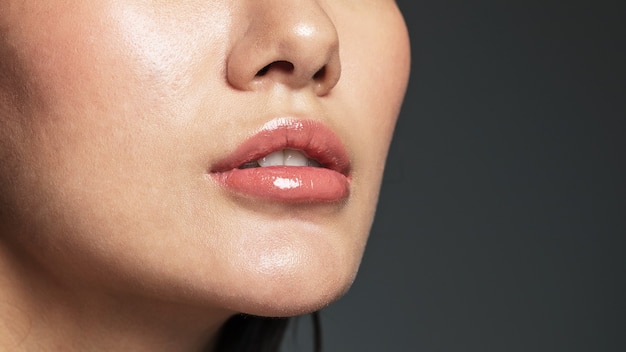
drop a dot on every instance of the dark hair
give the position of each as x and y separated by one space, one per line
246 333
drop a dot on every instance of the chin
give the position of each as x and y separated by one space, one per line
293 296
273 261
291 267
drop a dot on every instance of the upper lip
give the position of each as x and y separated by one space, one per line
313 138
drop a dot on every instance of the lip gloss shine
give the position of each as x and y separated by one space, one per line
328 183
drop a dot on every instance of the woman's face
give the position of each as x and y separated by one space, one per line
130 133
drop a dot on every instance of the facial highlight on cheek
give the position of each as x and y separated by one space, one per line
166 45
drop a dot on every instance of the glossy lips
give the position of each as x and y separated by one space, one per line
327 182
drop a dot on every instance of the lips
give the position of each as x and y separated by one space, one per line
288 160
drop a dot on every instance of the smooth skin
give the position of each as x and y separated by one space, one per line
112 234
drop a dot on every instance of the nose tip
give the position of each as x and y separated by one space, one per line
286 42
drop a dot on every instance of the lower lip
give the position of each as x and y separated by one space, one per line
287 183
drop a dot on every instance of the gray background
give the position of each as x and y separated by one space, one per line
501 221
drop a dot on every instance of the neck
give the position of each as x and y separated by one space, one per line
37 313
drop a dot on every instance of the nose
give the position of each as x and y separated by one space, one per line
289 42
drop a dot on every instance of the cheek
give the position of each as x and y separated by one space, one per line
92 127
376 60
99 89
375 64
117 57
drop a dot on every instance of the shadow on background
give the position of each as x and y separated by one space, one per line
501 221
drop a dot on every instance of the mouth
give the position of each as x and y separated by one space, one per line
285 157
287 160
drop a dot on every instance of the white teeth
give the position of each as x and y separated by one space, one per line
295 158
273 159
287 157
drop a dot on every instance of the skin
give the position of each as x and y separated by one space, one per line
111 113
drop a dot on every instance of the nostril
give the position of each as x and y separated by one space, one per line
282 66
263 71
319 75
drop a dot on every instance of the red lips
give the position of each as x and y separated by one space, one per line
330 182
